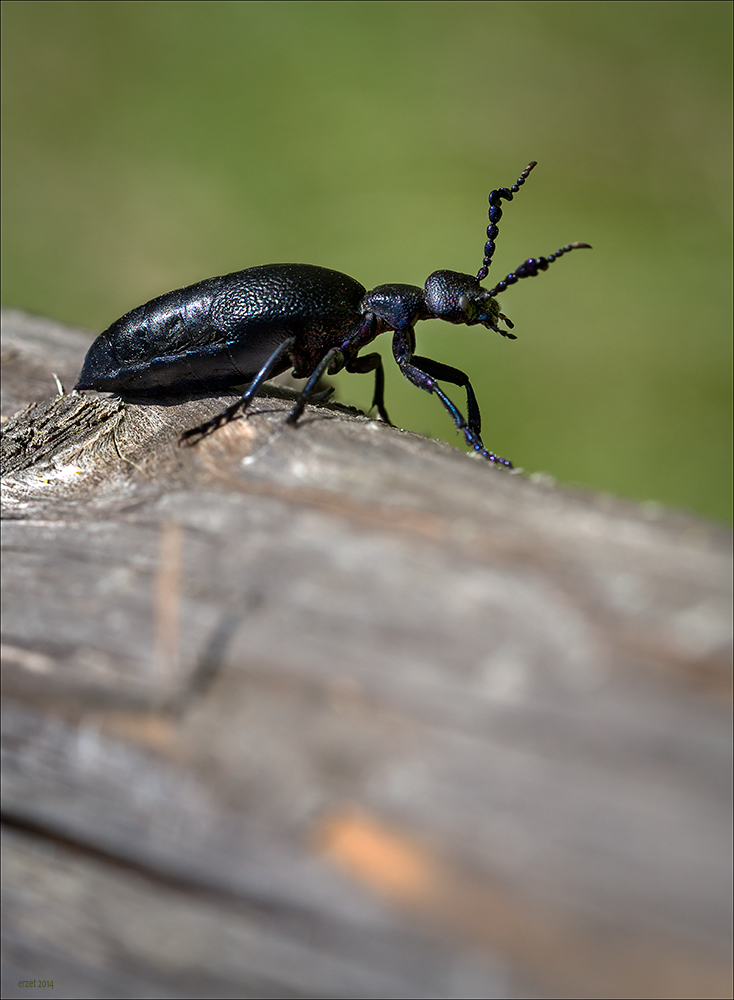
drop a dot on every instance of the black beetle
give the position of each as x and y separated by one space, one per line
249 326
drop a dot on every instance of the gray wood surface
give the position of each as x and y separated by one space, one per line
339 711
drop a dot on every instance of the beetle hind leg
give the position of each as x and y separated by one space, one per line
195 434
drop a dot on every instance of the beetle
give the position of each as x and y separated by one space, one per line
248 326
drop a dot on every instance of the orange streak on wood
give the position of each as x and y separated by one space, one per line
168 583
384 859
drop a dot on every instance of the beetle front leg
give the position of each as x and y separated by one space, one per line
241 404
372 363
402 342
436 369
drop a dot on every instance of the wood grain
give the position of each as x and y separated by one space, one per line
337 711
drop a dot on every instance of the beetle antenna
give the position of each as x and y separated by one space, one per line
529 268
495 214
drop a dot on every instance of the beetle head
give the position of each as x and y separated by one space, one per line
459 298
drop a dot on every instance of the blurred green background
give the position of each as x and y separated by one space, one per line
148 145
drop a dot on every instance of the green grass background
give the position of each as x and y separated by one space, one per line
147 145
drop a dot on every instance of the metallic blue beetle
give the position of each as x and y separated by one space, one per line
251 325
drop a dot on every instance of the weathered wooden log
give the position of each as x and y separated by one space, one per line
336 711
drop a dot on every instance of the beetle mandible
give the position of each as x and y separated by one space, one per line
251 325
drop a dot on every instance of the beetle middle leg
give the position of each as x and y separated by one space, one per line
332 361
241 404
372 363
402 342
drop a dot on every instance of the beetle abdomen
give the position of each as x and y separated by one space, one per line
219 332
